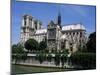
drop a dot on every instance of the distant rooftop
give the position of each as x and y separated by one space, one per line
73 27
41 31
64 28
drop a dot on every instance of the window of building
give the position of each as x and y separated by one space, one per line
25 21
73 33
80 34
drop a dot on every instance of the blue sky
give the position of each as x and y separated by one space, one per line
45 12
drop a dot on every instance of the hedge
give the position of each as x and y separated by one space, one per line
85 60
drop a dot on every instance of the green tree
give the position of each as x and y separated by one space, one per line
24 56
91 44
41 57
64 56
57 59
63 59
31 45
49 57
14 48
17 52
42 45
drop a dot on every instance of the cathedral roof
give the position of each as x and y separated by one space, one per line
41 31
64 28
26 15
73 27
51 23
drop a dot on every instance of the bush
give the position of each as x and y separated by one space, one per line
18 53
41 57
57 59
63 59
49 57
85 60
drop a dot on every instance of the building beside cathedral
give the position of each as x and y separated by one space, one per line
58 36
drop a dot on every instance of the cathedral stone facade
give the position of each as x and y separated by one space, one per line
58 36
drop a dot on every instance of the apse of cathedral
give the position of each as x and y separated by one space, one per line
58 36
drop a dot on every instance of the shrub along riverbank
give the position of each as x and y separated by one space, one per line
84 59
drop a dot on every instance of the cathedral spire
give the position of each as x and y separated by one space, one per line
59 19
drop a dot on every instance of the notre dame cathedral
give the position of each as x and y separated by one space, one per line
58 36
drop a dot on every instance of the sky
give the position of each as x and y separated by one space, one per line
45 12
